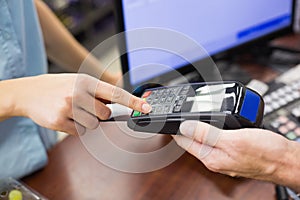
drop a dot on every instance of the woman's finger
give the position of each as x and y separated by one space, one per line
118 95
94 107
84 118
73 128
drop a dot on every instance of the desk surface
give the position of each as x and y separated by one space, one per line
73 173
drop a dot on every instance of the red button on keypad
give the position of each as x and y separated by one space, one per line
146 94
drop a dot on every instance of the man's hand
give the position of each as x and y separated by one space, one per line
251 153
69 102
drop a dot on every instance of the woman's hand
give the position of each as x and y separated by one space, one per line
251 153
70 103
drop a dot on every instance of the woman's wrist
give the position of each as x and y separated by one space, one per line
13 93
7 95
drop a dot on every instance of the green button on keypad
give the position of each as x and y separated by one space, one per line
291 136
136 113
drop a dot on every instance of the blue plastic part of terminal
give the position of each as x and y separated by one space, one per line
250 106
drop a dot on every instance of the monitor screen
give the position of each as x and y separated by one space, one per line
216 25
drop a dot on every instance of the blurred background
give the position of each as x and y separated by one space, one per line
90 21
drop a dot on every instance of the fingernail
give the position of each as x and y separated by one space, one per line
146 108
187 128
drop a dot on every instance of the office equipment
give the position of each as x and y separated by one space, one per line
258 86
69 162
11 189
297 17
281 193
283 111
227 105
282 106
282 114
218 26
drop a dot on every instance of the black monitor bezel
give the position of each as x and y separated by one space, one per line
118 13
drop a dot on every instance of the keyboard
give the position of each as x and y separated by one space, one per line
282 111
282 115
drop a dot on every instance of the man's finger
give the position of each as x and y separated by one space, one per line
200 151
201 132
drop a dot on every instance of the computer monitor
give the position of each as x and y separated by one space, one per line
217 25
